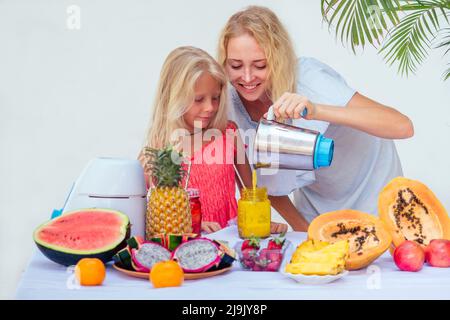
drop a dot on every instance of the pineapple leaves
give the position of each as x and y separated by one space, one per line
407 28
166 166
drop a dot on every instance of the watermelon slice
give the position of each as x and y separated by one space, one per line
85 233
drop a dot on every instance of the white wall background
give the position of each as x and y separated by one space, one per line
67 96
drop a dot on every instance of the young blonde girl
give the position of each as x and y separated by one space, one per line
190 112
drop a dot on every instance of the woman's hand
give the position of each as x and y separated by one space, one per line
291 106
210 227
360 113
276 227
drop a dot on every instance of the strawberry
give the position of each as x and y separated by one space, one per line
248 263
252 243
274 255
249 253
263 254
257 267
277 242
273 266
260 265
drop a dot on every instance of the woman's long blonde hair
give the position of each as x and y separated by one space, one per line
262 24
181 70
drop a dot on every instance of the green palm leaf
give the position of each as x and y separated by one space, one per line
409 38
447 73
410 41
445 43
360 21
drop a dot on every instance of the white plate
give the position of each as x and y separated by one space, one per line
314 279
304 279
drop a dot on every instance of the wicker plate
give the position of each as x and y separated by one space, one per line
187 276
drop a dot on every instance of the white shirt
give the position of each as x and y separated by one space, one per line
362 164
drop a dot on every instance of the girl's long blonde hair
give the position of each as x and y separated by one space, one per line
181 69
262 24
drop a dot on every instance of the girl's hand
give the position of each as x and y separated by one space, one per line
291 106
210 227
276 227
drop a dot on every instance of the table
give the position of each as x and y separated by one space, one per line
43 279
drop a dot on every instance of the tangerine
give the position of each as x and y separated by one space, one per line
90 272
166 274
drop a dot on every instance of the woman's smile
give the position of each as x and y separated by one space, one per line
249 88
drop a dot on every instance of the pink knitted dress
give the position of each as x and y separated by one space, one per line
212 172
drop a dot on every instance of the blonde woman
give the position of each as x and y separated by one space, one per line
263 69
190 111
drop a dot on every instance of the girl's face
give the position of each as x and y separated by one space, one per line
203 109
246 67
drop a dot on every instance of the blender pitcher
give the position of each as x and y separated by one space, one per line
282 146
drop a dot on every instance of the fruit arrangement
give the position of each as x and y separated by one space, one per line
411 211
368 238
199 255
319 258
437 253
410 256
412 223
166 274
168 208
418 223
90 272
253 256
192 254
149 253
85 233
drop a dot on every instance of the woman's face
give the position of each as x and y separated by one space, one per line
206 102
246 67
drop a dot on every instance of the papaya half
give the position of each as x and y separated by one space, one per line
367 235
411 211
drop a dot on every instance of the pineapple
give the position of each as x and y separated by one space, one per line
168 209
319 258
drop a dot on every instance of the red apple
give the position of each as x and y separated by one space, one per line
437 253
409 256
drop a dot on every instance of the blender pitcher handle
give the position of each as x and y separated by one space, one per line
304 112
271 114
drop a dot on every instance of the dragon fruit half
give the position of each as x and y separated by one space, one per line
198 255
147 255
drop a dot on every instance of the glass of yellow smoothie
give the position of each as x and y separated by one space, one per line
254 212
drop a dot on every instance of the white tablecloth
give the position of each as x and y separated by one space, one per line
44 279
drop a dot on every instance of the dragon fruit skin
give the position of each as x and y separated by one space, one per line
197 255
147 255
227 255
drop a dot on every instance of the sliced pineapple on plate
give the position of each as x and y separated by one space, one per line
315 268
319 258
